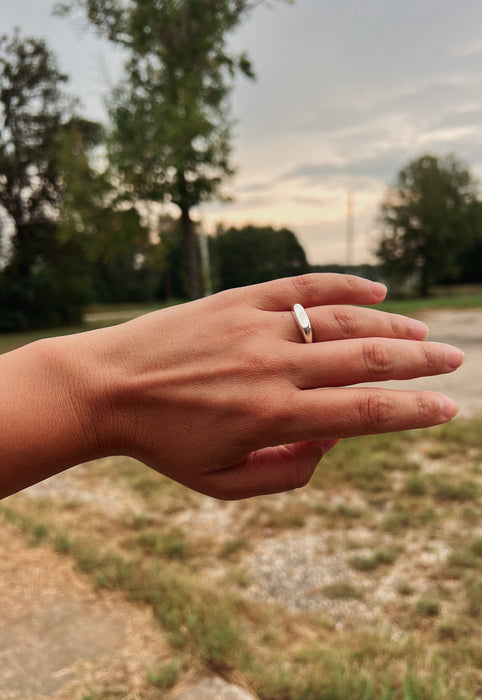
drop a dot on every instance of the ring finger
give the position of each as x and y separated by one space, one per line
341 321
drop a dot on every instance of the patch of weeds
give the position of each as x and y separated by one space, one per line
372 478
404 587
321 509
447 490
138 521
166 675
146 486
409 513
372 561
341 590
104 695
416 485
461 433
231 548
364 462
476 547
242 578
194 618
286 518
348 511
172 545
38 533
62 543
468 557
470 515
328 679
449 630
427 607
474 598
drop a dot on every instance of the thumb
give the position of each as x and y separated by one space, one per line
270 470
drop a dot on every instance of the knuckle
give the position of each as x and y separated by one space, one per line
431 357
353 282
346 322
396 327
426 406
304 284
377 358
376 411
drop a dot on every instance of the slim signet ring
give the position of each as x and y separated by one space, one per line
303 323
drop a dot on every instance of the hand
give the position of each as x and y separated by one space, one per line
222 395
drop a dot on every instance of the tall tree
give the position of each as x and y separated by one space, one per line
171 135
427 219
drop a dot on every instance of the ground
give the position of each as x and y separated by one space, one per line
65 635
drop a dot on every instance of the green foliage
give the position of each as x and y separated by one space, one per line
430 219
380 557
341 590
257 254
43 282
166 675
172 545
170 139
427 607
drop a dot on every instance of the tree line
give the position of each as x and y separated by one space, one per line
80 201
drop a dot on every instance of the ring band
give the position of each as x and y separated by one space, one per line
303 323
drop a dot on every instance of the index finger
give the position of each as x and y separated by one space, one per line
315 289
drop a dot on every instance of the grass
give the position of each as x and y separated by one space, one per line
404 500
369 562
461 298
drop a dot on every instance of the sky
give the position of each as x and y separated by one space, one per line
347 93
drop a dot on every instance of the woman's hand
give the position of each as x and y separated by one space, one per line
223 395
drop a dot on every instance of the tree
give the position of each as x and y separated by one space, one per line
38 284
110 233
257 254
171 134
427 221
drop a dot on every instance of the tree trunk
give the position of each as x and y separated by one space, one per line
191 257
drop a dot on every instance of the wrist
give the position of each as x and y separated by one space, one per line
96 381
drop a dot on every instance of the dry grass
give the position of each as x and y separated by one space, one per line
367 584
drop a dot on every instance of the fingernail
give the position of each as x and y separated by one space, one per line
378 289
419 329
454 356
448 407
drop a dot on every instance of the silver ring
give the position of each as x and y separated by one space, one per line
303 323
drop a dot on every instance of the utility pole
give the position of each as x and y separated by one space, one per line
350 227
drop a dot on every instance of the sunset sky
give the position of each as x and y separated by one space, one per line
347 92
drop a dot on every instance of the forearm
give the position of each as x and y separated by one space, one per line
44 414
